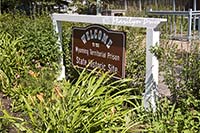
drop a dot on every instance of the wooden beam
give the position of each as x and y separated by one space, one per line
110 20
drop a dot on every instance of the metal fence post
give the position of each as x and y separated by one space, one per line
156 4
190 25
126 5
0 7
174 5
195 5
58 30
140 5
152 64
98 7
194 17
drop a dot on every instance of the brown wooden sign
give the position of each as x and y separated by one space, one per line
99 47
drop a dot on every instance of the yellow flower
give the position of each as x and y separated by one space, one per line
40 97
57 90
113 111
32 73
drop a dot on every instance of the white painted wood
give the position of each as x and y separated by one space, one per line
199 26
110 20
152 70
58 30
151 61
152 39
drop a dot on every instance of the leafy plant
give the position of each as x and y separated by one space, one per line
86 106
39 41
181 112
9 122
12 59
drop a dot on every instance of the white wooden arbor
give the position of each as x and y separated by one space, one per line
152 39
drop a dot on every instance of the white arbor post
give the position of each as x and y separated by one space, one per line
58 31
152 70
152 38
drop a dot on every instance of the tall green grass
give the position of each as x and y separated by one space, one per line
92 104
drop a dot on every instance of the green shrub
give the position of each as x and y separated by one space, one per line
171 118
12 60
10 123
181 72
26 44
39 40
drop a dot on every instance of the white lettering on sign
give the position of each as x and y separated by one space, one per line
125 21
113 57
112 68
81 51
97 35
139 22
95 64
81 61
97 53
95 44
